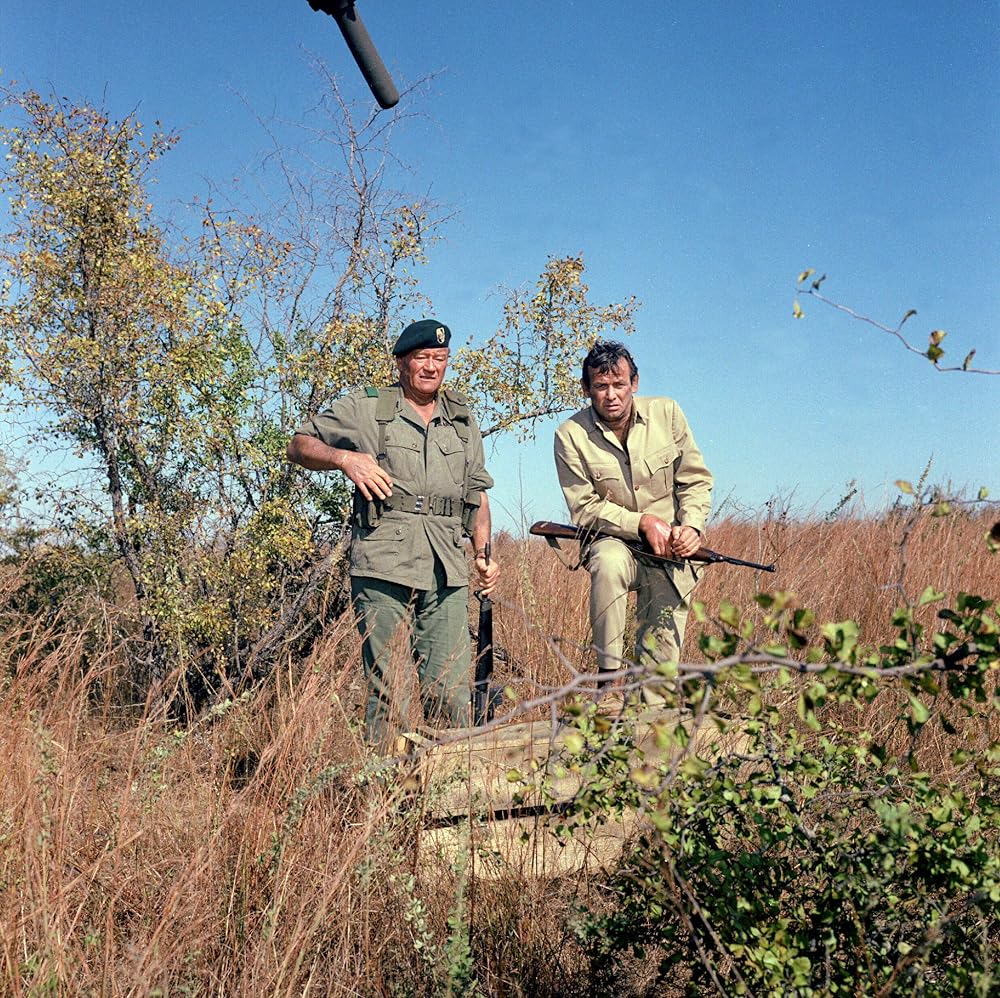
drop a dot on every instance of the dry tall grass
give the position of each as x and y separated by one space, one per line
257 851
845 568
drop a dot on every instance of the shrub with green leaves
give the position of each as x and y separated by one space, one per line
850 842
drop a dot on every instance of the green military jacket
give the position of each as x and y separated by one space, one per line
429 461
660 471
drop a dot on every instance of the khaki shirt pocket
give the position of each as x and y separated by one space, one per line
660 465
403 459
608 481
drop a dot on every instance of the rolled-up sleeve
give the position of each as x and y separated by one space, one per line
478 479
342 425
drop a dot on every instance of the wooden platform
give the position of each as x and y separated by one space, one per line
473 805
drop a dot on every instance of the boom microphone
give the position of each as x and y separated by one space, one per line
362 48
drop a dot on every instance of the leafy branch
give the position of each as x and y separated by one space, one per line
807 285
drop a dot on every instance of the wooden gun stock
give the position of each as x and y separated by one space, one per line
565 531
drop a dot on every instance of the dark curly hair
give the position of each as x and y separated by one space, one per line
603 357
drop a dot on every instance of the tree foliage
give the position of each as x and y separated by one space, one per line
175 366
530 368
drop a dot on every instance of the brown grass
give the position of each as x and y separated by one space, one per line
860 569
252 853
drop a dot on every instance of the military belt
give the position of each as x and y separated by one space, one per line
424 505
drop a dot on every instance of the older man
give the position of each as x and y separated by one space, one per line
415 455
629 467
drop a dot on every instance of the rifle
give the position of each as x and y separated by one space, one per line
564 531
483 702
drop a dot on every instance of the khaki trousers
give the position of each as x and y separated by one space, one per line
660 615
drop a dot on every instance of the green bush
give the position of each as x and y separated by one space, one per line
817 857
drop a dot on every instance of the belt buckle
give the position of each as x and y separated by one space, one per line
418 503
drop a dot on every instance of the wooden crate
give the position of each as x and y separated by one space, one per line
502 827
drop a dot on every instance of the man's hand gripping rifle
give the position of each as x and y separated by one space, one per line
483 700
564 531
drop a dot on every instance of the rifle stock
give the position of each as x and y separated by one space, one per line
482 700
566 531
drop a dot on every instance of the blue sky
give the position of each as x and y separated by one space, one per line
699 155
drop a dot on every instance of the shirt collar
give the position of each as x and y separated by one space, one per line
639 414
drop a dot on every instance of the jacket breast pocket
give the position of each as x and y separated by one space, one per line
453 454
660 466
403 459
608 482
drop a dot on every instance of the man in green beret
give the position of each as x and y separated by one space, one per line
415 455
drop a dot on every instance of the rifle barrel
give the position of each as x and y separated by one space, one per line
714 558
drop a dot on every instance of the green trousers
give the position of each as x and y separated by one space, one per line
438 643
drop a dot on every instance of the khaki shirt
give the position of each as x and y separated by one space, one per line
660 470
422 461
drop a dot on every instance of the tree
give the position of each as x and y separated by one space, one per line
100 321
530 368
176 367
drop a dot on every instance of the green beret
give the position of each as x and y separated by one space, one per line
421 335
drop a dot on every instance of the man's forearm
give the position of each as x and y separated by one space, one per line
313 454
482 526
